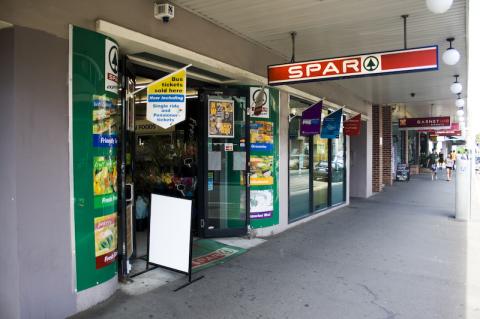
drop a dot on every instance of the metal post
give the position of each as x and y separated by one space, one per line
404 17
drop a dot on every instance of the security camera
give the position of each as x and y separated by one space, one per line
163 11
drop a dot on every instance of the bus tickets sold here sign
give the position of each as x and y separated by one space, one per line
410 60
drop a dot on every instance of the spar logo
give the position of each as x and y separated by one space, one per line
111 66
371 63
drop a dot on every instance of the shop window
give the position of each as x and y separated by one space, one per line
299 168
320 172
338 170
317 172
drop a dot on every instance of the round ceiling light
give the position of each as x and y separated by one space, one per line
460 112
451 56
456 88
460 103
461 119
439 6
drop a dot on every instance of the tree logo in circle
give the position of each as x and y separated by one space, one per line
371 63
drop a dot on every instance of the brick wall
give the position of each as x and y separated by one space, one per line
377 152
387 145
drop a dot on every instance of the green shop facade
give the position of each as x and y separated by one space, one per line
83 160
225 157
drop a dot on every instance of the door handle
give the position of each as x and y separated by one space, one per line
248 179
129 192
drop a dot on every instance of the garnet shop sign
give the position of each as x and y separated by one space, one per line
381 63
440 122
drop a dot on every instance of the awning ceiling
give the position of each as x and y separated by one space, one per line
328 28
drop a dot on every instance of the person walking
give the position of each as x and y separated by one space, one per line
454 158
449 165
433 167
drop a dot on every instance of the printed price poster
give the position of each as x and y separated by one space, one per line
104 181
259 102
105 240
261 136
220 118
261 170
166 99
105 119
261 203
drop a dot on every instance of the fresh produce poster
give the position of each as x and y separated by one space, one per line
105 240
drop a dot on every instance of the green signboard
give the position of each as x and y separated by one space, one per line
94 130
264 157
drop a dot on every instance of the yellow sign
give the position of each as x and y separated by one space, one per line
166 99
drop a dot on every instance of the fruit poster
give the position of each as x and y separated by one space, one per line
220 118
104 181
105 240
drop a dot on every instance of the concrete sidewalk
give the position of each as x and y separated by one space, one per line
396 255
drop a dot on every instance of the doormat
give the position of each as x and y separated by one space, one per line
207 253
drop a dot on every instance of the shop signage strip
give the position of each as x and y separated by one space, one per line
369 64
424 123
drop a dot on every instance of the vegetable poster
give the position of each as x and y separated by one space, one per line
105 240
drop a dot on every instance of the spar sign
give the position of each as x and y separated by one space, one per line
381 63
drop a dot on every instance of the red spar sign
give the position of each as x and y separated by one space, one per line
411 60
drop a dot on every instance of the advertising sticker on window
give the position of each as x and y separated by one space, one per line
220 118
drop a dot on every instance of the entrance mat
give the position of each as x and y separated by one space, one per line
207 253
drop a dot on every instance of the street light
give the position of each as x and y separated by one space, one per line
456 87
439 6
451 56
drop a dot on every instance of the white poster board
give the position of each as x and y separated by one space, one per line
170 232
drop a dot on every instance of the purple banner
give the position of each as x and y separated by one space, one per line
310 123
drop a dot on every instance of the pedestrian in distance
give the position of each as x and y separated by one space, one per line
449 165
454 158
433 166
440 160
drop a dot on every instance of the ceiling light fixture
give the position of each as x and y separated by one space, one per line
451 56
460 112
439 6
459 102
456 87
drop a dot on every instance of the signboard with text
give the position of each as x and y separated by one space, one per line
351 127
310 122
166 99
381 63
424 123
331 125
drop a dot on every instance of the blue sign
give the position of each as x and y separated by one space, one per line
331 125
105 140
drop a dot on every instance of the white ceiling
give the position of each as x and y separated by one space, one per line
329 28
